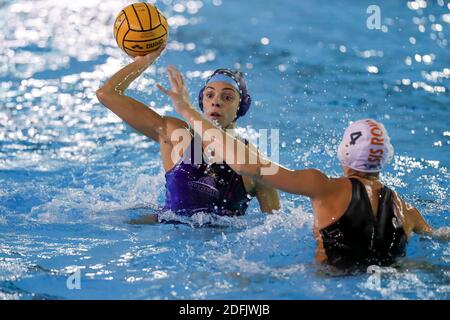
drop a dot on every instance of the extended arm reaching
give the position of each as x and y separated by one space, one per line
252 163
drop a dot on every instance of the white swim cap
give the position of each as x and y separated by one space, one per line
365 146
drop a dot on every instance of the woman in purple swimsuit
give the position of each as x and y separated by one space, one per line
192 184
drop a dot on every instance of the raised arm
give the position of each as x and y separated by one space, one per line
309 182
136 114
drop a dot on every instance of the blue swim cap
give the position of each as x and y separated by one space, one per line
237 81
220 77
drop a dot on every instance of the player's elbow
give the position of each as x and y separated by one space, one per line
103 95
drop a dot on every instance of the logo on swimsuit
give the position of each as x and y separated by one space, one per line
205 185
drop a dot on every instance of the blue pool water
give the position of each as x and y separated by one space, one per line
72 174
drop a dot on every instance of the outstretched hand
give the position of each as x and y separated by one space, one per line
178 93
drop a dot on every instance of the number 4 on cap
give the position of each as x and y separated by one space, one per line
355 136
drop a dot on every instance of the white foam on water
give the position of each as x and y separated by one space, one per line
12 269
109 202
289 219
391 283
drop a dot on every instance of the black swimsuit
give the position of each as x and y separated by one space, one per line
359 238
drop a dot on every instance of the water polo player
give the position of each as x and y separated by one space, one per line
357 220
192 184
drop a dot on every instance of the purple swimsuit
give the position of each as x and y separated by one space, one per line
214 188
